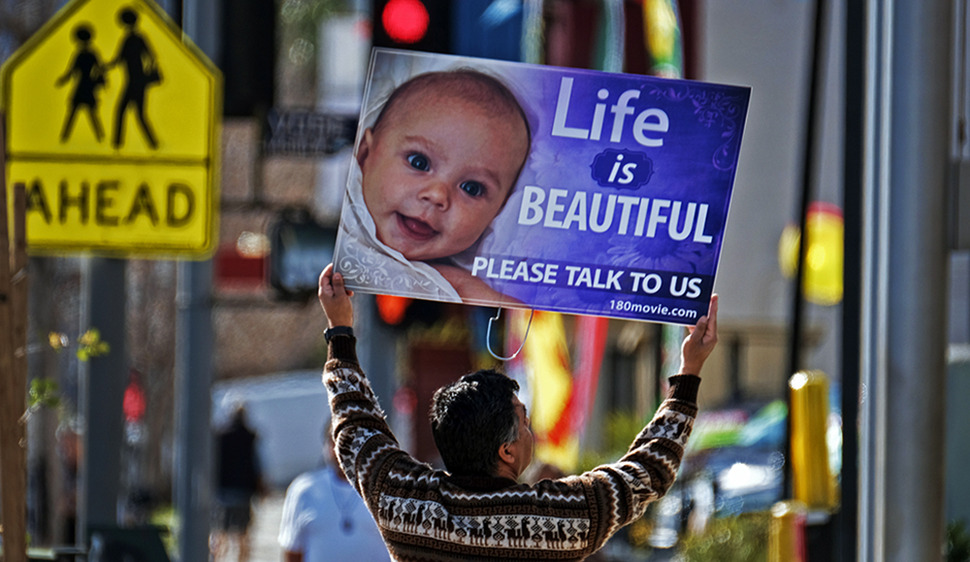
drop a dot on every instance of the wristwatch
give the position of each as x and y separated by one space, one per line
337 331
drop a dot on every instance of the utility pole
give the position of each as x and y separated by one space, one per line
193 362
103 381
847 517
905 256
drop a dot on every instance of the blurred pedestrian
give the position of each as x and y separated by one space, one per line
239 482
325 519
70 454
476 509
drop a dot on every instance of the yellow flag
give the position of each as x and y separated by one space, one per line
547 366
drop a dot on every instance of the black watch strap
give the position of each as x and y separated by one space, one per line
337 331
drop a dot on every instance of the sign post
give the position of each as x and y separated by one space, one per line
13 375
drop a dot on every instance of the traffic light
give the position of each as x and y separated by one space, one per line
299 250
403 312
420 25
392 309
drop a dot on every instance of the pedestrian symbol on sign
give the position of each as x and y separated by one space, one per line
140 66
142 71
88 72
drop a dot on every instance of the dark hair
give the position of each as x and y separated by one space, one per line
471 418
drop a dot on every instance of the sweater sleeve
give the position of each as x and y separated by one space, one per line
624 489
363 439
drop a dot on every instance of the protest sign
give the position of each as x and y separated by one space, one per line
515 185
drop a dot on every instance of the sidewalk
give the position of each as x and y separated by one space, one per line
265 527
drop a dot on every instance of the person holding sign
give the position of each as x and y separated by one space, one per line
476 509
436 166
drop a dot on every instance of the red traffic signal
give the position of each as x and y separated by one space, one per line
392 309
420 25
405 21
134 402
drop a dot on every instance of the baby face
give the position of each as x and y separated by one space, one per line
437 172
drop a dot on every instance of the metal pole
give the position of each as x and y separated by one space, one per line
193 380
874 276
103 388
193 364
918 260
805 196
847 516
904 359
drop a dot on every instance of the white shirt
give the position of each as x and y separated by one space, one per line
325 519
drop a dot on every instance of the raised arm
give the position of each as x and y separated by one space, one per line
652 462
356 417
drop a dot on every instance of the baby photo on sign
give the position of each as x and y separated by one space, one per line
515 185
437 159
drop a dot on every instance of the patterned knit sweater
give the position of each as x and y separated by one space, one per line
430 515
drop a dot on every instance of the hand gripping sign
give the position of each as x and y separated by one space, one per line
515 185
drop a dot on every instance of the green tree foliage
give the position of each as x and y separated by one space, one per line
957 542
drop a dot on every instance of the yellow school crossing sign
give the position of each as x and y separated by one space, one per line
112 125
